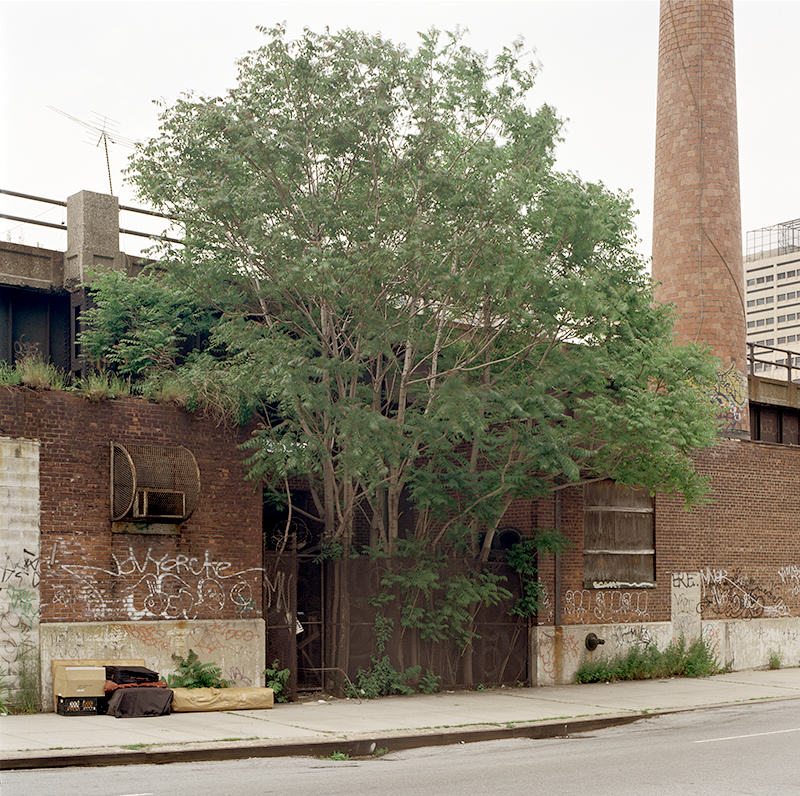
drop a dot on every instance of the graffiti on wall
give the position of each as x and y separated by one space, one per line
19 567
583 606
790 576
148 586
235 645
736 595
685 598
731 395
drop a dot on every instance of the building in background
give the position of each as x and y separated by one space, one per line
772 273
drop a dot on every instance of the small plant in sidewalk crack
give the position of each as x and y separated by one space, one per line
775 660
339 756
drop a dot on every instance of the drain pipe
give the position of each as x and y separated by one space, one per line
557 579
558 647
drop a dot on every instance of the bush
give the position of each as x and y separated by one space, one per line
277 679
194 674
429 683
382 679
647 663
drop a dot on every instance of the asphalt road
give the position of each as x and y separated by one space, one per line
753 749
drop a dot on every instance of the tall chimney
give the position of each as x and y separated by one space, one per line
697 228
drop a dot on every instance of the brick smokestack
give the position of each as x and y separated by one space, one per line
697 227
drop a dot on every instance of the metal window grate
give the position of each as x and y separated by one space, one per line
153 482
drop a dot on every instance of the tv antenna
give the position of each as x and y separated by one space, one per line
101 130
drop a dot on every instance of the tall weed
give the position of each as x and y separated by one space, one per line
648 663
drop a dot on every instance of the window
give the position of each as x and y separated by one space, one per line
619 536
153 483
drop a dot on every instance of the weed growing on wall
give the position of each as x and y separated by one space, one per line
9 375
441 605
648 663
523 559
103 387
34 372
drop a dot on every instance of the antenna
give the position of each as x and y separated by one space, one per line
102 127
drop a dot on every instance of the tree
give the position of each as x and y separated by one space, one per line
391 273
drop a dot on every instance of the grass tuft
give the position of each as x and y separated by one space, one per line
37 374
103 387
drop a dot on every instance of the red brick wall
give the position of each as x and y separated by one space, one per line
745 542
210 570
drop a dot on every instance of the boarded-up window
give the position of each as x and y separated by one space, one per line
619 536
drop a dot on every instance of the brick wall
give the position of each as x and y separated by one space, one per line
744 543
210 570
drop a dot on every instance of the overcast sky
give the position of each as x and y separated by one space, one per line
598 68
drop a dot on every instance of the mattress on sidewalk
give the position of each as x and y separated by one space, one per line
190 700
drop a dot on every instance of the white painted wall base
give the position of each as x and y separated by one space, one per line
236 645
749 643
736 643
562 649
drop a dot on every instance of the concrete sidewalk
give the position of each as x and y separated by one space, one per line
359 728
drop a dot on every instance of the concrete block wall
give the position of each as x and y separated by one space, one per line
236 646
19 558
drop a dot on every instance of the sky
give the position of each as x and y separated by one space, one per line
106 63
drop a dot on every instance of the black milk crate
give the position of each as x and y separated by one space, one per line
79 705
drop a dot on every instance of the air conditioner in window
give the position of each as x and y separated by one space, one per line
159 504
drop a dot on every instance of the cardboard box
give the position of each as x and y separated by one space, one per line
78 681
58 664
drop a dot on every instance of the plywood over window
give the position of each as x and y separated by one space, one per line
619 536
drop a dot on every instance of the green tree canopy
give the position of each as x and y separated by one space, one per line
382 262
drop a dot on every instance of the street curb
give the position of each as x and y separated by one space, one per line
360 747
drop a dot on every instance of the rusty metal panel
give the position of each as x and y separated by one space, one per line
280 611
769 426
498 655
791 428
6 347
